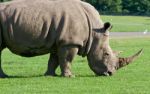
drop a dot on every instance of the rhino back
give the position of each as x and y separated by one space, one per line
34 27
94 16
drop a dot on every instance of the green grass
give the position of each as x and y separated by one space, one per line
128 23
27 74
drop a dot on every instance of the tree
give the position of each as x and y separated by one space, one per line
106 6
138 7
2 1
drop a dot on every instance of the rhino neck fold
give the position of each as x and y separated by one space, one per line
90 39
94 55
99 44
94 50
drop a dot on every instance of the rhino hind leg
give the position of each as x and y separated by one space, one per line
66 55
52 65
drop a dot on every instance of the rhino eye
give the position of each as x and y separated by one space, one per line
106 54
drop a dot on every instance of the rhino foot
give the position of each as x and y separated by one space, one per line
2 75
67 75
50 74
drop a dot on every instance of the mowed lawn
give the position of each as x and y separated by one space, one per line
128 23
26 74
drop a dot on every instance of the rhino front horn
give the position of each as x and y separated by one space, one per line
125 61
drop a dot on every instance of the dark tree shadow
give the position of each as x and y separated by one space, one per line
84 76
58 76
9 77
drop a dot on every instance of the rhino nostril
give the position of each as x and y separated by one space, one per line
110 73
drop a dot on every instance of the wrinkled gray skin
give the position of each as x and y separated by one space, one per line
63 28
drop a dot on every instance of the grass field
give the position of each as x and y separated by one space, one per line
27 74
128 23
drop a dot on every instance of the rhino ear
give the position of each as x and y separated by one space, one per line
107 26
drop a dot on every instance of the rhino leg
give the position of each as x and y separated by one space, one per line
52 65
2 74
66 55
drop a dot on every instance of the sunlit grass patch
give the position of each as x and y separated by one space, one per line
128 23
27 74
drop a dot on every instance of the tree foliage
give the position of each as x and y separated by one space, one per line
4 0
138 7
134 7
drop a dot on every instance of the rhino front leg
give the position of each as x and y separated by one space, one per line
52 65
66 55
2 74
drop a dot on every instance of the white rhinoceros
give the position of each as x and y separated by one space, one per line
63 28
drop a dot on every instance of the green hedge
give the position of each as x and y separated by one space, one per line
125 7
134 7
4 0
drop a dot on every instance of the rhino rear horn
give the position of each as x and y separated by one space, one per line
117 52
125 61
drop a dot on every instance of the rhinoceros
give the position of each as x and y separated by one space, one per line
63 28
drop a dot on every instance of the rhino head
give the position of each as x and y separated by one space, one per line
102 60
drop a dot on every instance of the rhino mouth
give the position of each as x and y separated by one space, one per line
108 73
100 71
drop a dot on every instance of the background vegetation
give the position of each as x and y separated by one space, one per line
121 7
125 7
128 23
